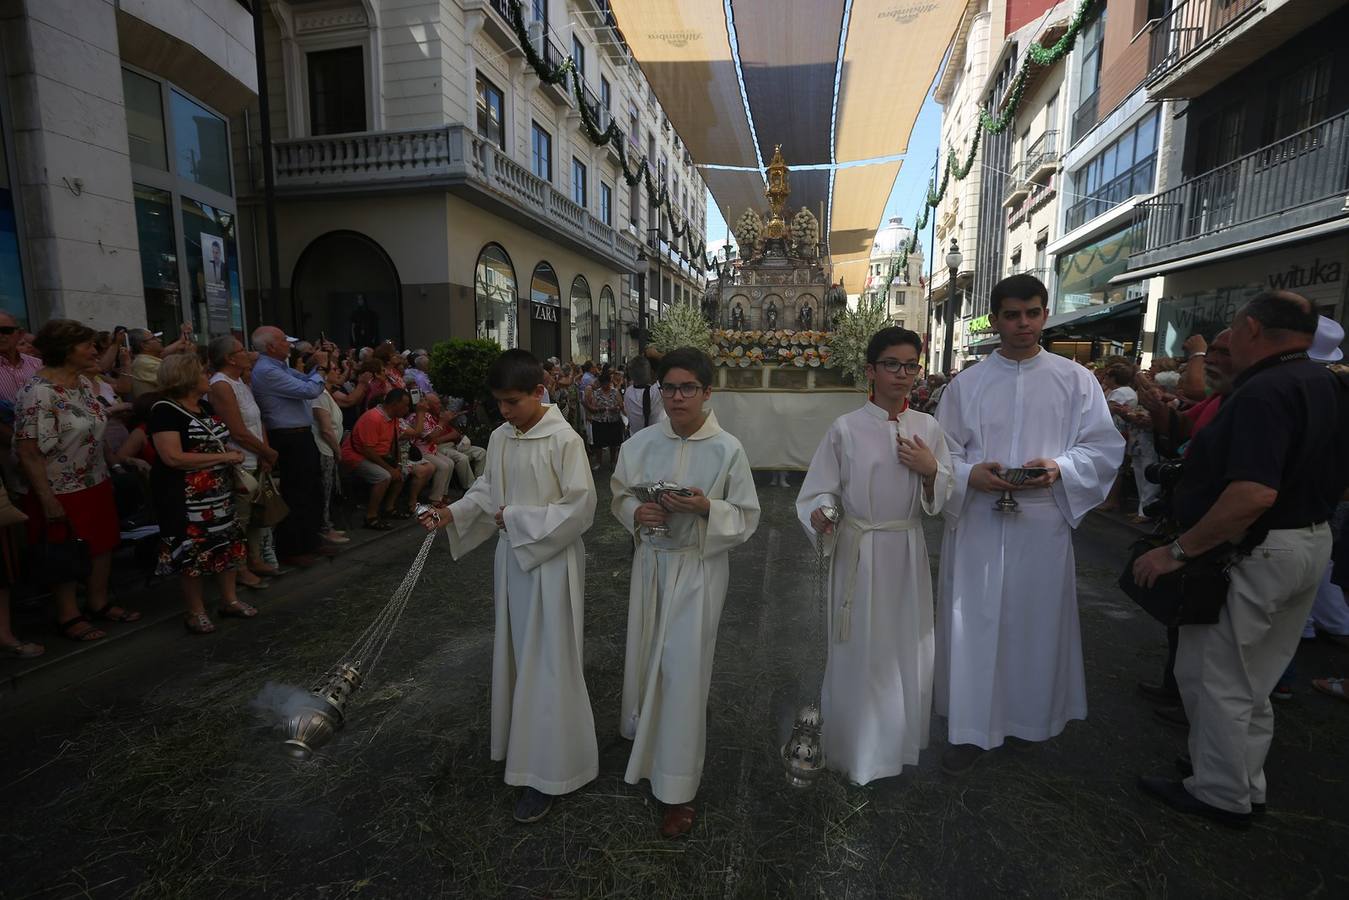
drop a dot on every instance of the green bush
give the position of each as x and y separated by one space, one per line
459 368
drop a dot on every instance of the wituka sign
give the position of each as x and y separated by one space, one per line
1205 299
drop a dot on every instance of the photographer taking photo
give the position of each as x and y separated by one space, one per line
1266 473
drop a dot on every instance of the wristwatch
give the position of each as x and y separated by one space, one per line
1178 552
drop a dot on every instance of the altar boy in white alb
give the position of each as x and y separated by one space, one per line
884 466
538 497
1009 649
678 580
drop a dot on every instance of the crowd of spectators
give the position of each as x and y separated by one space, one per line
225 459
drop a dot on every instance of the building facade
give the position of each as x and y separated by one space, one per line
118 203
904 296
431 185
1256 179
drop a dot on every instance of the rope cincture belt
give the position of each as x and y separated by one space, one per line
862 528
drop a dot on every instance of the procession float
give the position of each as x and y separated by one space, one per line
785 344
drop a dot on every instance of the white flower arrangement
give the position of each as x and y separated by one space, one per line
783 347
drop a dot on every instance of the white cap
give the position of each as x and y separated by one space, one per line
292 340
1325 346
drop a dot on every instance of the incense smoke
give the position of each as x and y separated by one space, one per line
278 702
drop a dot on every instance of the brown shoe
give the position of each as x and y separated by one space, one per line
677 821
960 758
304 560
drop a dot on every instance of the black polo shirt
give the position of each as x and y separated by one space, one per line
1286 426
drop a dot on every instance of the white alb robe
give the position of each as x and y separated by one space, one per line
1009 648
542 725
876 701
675 598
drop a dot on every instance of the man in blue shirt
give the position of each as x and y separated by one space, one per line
284 397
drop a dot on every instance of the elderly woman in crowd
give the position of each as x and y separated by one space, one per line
604 408
233 403
193 488
58 427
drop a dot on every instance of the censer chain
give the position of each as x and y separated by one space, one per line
366 650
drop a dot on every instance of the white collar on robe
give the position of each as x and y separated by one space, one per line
880 412
551 423
709 428
1013 364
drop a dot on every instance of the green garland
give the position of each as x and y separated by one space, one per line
658 196
1037 56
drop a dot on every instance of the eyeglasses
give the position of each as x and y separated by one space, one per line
893 366
688 390
8 329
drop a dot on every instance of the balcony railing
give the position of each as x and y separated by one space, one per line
1188 27
1306 167
1043 155
503 9
1084 117
1136 180
1016 185
452 158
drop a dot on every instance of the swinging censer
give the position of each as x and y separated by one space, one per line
803 754
324 708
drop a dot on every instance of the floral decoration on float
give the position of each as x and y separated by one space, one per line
781 347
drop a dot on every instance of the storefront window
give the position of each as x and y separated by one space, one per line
608 326
212 268
12 298
145 120
1084 274
545 304
494 296
201 144
159 258
582 322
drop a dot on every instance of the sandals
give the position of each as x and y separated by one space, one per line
82 636
1335 687
237 610
377 525
22 650
198 623
114 613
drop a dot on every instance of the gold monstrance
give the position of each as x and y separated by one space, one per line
779 188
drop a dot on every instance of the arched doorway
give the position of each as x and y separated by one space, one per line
494 296
545 313
582 321
345 287
608 326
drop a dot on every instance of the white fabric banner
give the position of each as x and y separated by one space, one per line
781 429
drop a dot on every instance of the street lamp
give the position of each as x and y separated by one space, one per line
641 302
953 260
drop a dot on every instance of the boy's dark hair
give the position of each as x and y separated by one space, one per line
890 337
515 370
1017 287
690 358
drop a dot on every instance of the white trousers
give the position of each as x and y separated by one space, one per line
1145 454
1226 671
468 464
1330 612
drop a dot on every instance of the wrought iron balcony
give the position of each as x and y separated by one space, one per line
1085 116
1017 189
451 158
1301 180
554 57
497 23
1190 26
1043 157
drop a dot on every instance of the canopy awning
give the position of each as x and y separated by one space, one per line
1092 314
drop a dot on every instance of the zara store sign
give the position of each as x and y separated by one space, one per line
542 312
1205 299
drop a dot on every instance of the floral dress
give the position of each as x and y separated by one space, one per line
568 401
68 425
198 532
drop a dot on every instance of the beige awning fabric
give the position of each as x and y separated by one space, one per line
685 51
891 57
860 195
735 191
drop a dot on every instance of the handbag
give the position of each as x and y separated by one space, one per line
9 513
269 507
244 482
56 561
1194 594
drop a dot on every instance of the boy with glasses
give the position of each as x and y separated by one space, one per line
882 466
679 576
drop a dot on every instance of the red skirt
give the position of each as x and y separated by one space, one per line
92 513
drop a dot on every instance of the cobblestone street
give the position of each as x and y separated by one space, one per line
142 770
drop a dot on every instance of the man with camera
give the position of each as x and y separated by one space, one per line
1265 476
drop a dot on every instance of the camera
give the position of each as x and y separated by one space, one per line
1167 474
